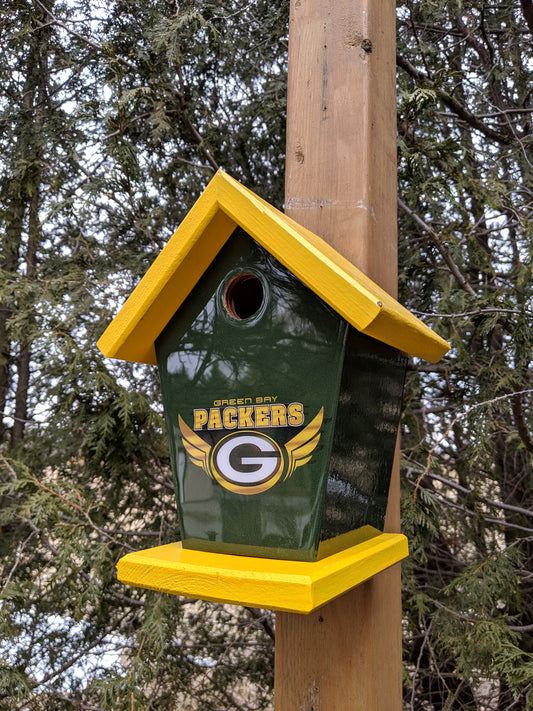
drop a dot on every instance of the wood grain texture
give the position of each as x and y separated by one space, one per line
341 184
341 124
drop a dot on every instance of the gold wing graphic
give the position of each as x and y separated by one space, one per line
197 449
300 448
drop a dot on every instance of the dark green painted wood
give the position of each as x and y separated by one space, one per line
290 351
366 429
270 339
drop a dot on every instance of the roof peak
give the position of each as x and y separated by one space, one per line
225 205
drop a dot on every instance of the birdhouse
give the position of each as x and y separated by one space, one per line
282 369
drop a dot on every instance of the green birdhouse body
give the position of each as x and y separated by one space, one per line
282 418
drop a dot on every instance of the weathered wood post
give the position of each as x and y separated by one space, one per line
341 184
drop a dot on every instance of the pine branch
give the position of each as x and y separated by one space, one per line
467 314
521 628
192 128
454 269
264 621
84 513
427 633
527 10
129 65
85 40
474 514
482 499
457 419
452 103
520 422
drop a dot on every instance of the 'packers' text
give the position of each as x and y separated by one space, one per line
248 416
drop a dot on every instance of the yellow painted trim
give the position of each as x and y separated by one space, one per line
224 205
310 260
166 285
291 586
353 295
346 540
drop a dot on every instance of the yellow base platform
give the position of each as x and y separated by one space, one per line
291 586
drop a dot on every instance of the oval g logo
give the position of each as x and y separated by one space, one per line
247 463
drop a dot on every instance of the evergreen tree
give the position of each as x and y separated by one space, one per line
465 199
113 117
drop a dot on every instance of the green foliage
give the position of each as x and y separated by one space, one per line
113 116
464 120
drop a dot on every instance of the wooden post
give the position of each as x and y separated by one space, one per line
341 184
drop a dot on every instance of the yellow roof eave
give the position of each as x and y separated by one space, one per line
224 205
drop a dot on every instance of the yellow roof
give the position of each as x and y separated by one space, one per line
224 205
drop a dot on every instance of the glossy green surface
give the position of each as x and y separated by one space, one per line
289 351
253 353
366 428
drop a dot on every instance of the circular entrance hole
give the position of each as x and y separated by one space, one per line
243 296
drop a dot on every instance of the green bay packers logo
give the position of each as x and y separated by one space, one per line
248 462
